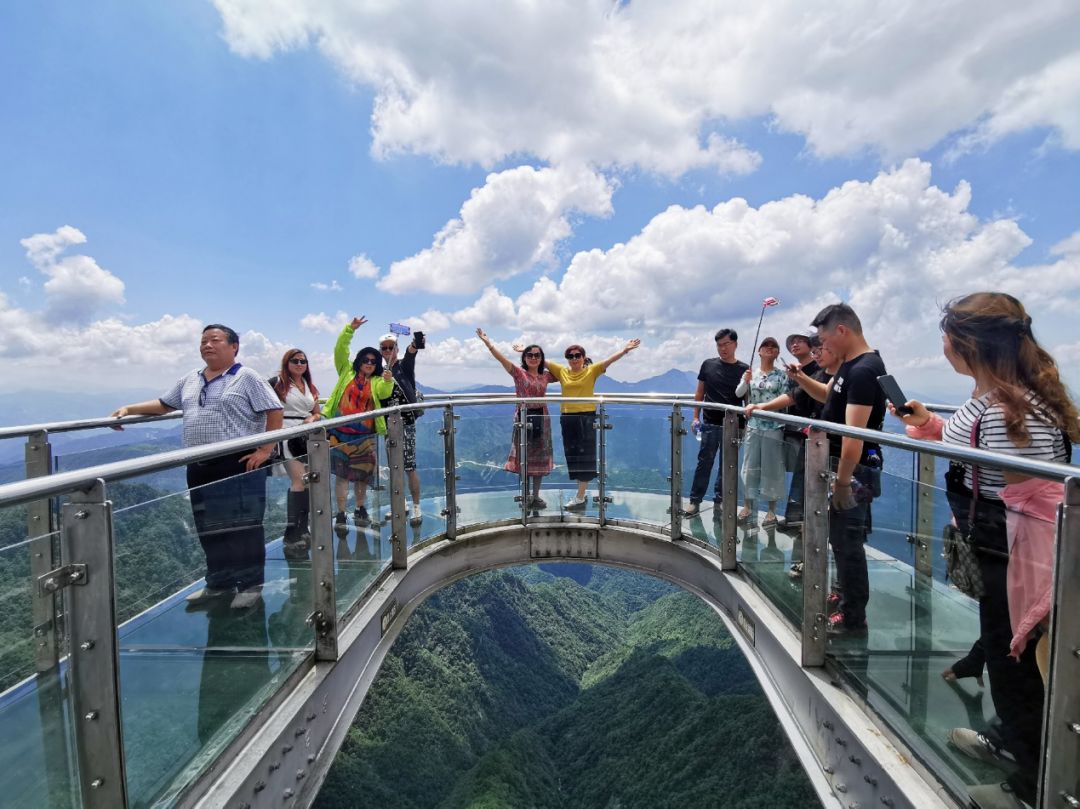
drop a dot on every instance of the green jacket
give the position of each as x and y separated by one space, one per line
380 388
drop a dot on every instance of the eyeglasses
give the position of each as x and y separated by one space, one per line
297 361
577 355
533 355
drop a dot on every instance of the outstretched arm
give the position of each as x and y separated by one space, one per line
152 407
509 366
816 390
618 355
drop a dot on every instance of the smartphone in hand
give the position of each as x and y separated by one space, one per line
894 394
419 340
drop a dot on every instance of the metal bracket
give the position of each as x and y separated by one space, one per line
311 477
66 576
320 622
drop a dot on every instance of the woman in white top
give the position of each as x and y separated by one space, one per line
298 393
1019 406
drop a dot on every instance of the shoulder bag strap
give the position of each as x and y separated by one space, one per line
974 473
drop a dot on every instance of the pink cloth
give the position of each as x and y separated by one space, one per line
1032 522
931 431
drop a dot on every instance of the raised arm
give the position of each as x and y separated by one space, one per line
618 355
509 366
344 340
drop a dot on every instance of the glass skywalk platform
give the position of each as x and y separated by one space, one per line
195 684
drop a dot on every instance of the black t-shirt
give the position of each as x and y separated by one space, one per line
805 405
856 383
720 378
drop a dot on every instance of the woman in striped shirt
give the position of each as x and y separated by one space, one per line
1021 407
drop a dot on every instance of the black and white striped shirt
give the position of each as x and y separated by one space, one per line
1047 442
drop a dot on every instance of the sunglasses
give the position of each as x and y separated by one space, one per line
533 355
387 348
297 361
368 361
577 355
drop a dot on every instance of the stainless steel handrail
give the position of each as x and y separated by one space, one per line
81 479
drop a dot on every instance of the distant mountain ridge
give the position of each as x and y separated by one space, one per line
671 381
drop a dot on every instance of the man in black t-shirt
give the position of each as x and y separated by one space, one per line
854 398
717 381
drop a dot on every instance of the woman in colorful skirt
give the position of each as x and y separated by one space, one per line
362 386
531 379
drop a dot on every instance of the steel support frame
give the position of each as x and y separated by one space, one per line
448 432
1060 781
43 555
87 539
522 433
924 514
324 619
729 460
602 498
677 433
815 578
395 455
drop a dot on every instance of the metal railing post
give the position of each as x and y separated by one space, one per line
324 584
395 454
677 433
815 576
1060 781
40 528
602 498
729 461
87 580
523 462
448 431
924 515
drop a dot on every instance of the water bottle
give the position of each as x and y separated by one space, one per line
696 430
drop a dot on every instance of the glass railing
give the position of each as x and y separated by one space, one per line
192 676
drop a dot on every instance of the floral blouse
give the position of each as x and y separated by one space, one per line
764 387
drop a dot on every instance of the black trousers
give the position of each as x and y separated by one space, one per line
579 444
228 505
848 529
1016 687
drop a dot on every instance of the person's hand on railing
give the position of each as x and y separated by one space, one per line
119 413
918 417
750 408
357 322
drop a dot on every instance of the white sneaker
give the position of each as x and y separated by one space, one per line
246 598
416 516
576 502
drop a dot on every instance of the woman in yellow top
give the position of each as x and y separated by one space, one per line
578 430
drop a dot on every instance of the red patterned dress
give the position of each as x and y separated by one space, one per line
538 450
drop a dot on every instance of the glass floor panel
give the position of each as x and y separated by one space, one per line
191 680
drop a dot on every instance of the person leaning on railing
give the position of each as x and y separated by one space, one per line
763 465
1019 406
224 400
577 419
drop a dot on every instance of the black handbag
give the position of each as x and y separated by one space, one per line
962 566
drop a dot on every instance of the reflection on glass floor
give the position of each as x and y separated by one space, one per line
191 679
917 629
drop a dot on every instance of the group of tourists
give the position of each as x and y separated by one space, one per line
1019 406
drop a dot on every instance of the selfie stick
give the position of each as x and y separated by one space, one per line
765 304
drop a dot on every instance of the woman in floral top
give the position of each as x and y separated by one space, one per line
763 448
530 379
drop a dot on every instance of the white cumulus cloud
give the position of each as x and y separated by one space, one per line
77 286
331 324
321 286
514 222
362 267
651 84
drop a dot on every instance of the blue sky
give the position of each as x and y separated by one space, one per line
220 159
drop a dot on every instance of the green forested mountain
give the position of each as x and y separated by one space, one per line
525 689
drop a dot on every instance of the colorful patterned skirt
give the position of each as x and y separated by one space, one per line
352 455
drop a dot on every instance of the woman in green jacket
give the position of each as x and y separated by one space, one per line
362 386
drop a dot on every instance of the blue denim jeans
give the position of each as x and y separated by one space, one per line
711 435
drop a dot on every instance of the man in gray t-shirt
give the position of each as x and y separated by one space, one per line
228 494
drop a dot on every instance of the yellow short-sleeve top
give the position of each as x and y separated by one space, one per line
580 383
